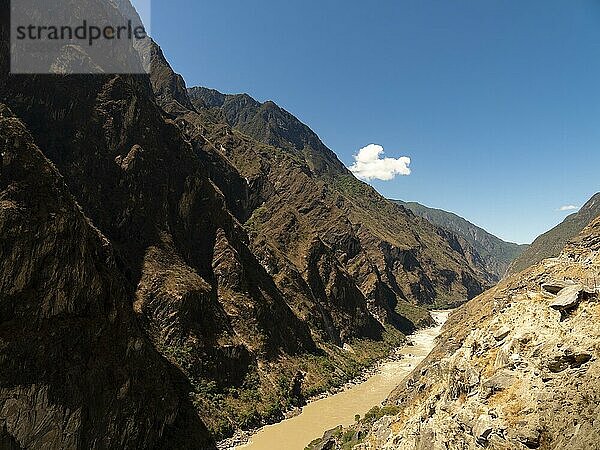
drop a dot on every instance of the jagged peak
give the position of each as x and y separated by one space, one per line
269 123
168 86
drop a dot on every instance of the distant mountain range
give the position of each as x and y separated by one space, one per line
551 243
492 252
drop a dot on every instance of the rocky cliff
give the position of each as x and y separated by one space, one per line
494 254
77 370
193 299
524 374
552 242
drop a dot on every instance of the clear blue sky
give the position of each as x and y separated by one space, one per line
497 102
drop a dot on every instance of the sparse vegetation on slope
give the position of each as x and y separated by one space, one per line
307 182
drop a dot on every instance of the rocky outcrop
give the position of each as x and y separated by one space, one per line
169 87
520 376
568 299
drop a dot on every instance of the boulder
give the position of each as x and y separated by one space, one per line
568 298
554 287
502 333
483 429
568 360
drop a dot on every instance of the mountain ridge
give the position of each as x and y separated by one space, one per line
272 125
496 254
551 242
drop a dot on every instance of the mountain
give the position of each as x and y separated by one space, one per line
496 254
515 368
301 178
77 369
177 265
550 244
129 299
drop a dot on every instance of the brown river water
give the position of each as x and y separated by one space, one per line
340 409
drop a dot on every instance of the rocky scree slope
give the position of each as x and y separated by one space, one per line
492 252
525 373
552 242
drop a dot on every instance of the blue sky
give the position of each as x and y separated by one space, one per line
496 102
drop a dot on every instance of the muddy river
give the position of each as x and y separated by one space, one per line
340 409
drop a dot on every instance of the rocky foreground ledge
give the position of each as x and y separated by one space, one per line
516 368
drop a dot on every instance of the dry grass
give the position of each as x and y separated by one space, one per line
510 402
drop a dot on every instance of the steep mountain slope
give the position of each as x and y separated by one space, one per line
202 298
496 254
301 179
348 262
524 374
551 243
77 371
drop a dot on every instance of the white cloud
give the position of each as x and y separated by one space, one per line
370 165
568 208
